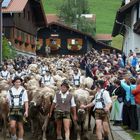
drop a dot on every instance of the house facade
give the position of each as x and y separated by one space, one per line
60 39
21 20
127 24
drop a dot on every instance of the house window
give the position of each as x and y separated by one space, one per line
106 51
22 35
73 42
18 33
15 33
24 13
28 15
53 41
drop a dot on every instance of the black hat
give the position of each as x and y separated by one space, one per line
65 84
17 78
100 83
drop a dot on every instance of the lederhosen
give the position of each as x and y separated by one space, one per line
16 110
63 106
99 112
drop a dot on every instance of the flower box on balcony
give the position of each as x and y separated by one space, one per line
54 47
27 41
74 47
19 38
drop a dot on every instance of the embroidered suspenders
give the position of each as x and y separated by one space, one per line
101 99
47 80
16 110
76 80
5 77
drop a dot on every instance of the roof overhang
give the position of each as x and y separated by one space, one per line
15 6
39 13
120 17
70 28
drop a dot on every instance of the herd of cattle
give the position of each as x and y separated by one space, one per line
40 98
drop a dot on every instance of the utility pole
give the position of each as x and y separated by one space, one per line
1 31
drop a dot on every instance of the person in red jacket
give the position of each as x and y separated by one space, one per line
136 93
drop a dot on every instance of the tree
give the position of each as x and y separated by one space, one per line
70 12
7 50
86 26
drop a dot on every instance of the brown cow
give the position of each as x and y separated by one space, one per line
38 112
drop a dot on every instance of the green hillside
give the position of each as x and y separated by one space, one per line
105 11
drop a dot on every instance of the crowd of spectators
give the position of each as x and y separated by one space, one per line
121 77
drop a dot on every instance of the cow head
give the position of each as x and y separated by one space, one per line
81 113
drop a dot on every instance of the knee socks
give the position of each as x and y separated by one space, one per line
59 137
13 137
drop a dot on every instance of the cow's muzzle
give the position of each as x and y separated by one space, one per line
81 111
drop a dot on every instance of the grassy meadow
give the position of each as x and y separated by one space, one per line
105 11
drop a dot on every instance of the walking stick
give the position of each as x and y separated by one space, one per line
110 128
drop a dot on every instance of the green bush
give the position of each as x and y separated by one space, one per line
7 50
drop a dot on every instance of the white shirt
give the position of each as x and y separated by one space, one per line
106 97
59 65
25 73
47 80
76 79
17 92
130 59
5 75
64 96
16 75
43 69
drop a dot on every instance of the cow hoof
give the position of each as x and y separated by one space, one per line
89 129
86 137
78 138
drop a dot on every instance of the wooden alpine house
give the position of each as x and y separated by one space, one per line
21 20
63 40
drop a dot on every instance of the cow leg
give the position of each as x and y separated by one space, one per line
32 127
77 128
5 126
44 128
85 127
89 120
